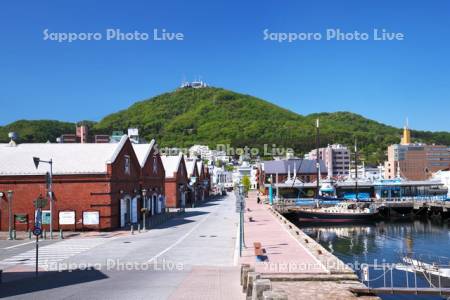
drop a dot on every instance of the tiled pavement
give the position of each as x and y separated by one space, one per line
285 254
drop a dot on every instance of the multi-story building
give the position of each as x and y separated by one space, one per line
336 158
415 161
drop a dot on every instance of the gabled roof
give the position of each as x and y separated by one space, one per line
190 166
302 166
143 151
67 158
200 167
171 164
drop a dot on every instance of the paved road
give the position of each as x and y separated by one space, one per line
189 257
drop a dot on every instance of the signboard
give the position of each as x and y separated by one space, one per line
66 218
91 218
46 215
21 218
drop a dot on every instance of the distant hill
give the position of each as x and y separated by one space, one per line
216 116
33 131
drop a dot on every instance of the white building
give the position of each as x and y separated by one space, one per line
246 170
368 173
444 177
203 152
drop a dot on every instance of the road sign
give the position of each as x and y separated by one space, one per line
38 218
40 202
37 231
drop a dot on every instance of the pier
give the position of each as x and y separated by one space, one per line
296 265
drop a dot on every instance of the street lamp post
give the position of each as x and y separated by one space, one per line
241 217
9 195
37 160
144 194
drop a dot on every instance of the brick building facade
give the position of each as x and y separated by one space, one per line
95 186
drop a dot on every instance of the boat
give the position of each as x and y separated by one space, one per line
341 213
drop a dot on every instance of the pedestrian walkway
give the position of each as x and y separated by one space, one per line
51 255
284 253
218 283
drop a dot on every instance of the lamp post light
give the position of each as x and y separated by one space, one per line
9 196
36 161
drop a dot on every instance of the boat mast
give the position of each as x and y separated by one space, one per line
317 160
356 169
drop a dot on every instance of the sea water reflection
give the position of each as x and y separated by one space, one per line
383 242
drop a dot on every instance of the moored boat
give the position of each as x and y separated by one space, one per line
340 213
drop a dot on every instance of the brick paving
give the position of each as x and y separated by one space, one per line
318 290
285 254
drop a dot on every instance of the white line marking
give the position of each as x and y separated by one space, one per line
15 246
182 238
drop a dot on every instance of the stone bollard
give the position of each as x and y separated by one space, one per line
275 295
44 234
139 227
242 272
61 234
245 272
132 229
260 286
14 234
252 277
29 234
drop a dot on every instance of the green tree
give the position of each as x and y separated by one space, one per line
247 184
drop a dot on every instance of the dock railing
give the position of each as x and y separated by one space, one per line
415 274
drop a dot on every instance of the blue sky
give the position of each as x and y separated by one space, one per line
383 80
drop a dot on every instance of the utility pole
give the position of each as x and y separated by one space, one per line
37 160
356 170
317 160
9 195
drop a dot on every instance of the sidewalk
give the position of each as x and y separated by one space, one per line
285 254
219 283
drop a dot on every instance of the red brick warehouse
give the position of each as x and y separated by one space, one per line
176 183
91 183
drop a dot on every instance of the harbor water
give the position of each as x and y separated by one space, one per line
384 242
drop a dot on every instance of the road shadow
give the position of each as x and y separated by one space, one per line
180 219
46 281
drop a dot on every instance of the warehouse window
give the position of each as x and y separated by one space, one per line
127 165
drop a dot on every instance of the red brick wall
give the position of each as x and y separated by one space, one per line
74 193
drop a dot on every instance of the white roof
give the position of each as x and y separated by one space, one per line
142 151
199 167
190 166
171 164
67 158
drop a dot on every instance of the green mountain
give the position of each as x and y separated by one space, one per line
34 131
216 116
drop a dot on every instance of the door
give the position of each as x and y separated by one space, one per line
134 207
123 212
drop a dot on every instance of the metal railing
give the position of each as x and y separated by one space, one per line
419 275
